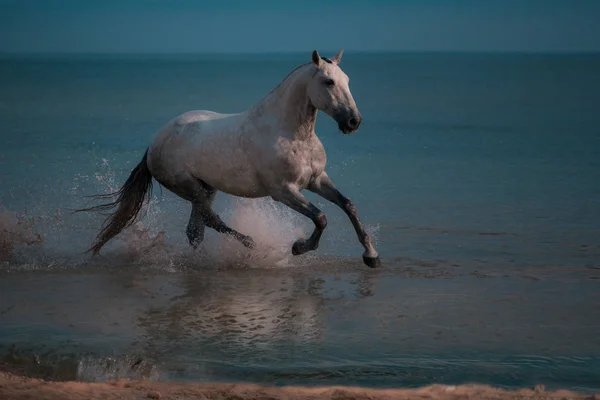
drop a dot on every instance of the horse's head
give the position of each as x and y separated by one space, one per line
329 92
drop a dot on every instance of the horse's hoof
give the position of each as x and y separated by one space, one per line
372 262
300 247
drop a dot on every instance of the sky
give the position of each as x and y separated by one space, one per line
258 26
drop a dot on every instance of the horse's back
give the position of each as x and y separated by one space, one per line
206 145
199 116
187 127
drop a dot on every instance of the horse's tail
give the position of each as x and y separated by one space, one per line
129 203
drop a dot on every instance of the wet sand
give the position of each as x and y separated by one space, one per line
14 387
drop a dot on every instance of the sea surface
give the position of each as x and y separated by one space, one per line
478 176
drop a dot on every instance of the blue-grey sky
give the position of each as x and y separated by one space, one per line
184 26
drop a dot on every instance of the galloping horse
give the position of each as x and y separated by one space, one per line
270 149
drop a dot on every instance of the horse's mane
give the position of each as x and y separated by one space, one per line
287 76
327 60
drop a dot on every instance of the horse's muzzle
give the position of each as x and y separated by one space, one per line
349 123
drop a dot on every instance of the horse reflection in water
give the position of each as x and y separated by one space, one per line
183 319
246 314
239 308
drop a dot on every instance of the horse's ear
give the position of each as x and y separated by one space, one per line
338 57
316 58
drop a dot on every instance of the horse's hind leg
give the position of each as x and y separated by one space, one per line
201 195
203 215
197 224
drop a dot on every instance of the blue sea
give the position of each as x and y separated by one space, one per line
478 176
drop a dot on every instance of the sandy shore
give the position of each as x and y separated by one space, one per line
15 387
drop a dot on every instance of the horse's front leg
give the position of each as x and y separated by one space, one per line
291 197
326 189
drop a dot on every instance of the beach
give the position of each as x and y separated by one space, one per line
13 387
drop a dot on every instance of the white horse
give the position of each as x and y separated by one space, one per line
269 150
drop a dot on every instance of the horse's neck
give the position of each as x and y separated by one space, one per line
290 106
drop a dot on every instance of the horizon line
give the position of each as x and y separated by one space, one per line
9 54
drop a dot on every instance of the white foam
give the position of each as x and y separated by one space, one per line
273 227
16 230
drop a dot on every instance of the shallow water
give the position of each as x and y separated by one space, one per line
477 176
333 322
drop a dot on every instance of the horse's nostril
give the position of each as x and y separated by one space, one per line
352 122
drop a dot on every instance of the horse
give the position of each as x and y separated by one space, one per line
271 149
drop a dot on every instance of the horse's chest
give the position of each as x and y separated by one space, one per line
301 162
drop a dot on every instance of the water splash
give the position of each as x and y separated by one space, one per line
142 242
273 227
17 230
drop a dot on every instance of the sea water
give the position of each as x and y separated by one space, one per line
477 176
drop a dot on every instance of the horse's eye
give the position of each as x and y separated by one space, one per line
329 82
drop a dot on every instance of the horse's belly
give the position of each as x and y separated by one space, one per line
227 169
235 183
